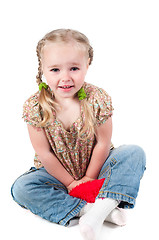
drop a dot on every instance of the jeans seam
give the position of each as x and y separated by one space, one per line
104 170
70 212
105 183
102 192
114 161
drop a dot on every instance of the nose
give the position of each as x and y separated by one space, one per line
65 77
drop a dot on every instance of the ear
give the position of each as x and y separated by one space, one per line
88 63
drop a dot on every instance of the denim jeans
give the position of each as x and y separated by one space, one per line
45 196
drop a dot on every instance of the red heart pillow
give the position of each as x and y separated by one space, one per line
87 191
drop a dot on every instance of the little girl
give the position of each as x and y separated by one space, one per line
70 127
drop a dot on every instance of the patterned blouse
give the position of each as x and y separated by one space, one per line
73 152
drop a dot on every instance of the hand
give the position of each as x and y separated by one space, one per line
74 184
87 179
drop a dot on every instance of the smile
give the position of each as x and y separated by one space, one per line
65 86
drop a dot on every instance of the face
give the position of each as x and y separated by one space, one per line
64 67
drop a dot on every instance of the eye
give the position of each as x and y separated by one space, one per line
55 70
74 68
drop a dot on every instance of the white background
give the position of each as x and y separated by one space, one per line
125 38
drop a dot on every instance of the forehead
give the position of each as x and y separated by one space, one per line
55 49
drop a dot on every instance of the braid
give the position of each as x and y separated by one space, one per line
41 43
46 104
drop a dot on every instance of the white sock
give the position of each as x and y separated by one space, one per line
91 222
117 216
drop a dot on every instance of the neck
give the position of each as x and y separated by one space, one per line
66 102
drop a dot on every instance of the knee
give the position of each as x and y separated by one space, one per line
137 158
19 190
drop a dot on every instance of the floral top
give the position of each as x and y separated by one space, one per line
73 152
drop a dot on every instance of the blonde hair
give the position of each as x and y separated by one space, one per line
46 100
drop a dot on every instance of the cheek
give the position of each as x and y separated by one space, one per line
49 78
82 75
51 83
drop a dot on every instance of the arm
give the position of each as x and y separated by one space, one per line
50 162
101 149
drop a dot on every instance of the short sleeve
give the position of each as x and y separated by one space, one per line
102 106
31 112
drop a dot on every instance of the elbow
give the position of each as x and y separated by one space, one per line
103 146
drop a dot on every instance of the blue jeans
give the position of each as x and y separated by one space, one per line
45 196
